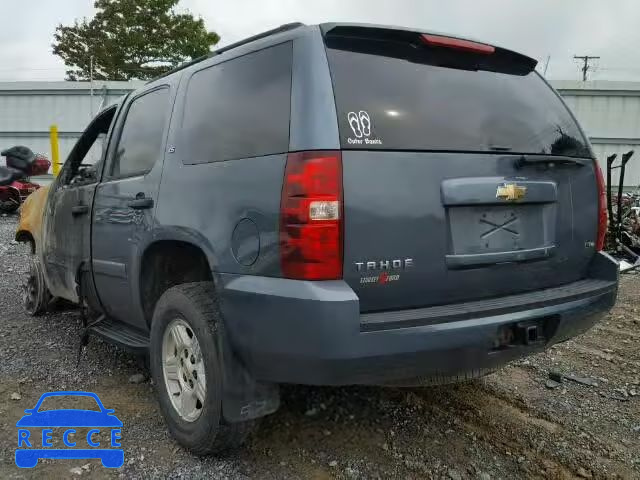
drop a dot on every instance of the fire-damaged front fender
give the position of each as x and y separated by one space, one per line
31 216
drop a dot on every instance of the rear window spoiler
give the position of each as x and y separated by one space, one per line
411 45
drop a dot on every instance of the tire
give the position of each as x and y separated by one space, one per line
9 206
35 294
192 308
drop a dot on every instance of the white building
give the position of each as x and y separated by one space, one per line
28 109
608 111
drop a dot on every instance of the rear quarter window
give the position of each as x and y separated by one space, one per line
392 103
239 108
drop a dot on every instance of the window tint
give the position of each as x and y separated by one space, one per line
239 108
141 138
396 101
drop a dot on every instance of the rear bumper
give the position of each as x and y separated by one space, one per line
290 331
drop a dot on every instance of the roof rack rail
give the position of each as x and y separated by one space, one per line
282 28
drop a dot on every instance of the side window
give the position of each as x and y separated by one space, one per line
140 141
239 108
79 167
95 152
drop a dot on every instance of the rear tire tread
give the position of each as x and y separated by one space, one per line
223 436
42 296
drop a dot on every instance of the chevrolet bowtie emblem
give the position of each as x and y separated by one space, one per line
511 192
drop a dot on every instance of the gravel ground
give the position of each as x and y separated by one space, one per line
512 424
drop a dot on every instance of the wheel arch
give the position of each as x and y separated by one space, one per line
25 236
171 259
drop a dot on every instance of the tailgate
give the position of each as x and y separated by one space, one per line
428 228
465 175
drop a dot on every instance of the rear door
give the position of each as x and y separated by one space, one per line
465 176
125 201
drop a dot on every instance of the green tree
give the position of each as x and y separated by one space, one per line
131 39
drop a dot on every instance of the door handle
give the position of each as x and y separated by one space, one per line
141 203
79 210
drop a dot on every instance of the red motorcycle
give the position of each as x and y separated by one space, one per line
15 185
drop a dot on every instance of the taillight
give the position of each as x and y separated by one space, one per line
311 216
602 209
457 44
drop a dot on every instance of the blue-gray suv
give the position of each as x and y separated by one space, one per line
330 205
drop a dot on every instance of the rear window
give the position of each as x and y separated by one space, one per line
398 96
239 108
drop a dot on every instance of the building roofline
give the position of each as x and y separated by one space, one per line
596 87
113 87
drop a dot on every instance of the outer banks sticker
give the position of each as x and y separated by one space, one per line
360 124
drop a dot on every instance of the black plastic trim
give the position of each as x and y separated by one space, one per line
474 260
122 335
485 308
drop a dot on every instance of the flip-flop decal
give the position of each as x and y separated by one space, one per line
354 123
365 123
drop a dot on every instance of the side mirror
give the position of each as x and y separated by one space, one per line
88 174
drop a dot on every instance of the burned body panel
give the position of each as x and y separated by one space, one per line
66 225
31 216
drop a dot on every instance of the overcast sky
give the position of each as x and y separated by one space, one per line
559 28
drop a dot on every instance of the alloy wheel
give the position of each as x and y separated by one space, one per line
183 370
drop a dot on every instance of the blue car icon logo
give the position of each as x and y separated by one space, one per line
33 446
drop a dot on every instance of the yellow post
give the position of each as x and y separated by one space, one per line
55 152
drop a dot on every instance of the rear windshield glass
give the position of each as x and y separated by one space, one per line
393 102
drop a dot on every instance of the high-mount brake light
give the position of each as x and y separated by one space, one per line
457 44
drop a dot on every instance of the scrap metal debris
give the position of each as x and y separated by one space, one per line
552 384
623 237
590 382
556 379
556 376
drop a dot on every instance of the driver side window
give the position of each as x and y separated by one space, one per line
94 155
81 166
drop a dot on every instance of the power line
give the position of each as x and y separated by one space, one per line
546 66
586 67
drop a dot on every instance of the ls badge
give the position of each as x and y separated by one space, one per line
511 192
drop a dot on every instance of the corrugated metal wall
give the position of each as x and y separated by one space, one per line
28 109
608 111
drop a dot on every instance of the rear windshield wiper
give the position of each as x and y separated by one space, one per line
500 148
548 160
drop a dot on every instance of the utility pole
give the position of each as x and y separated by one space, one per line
91 86
585 67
